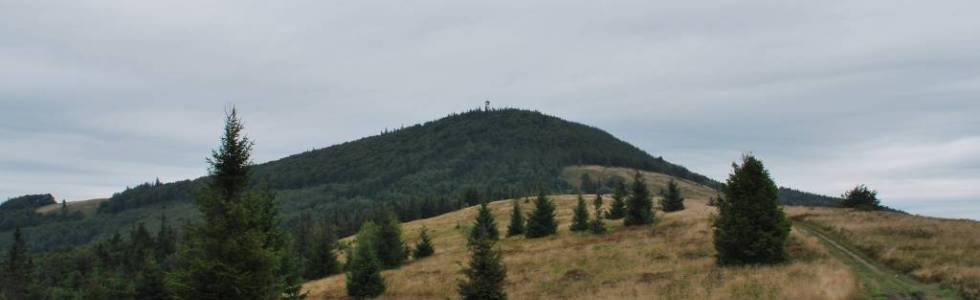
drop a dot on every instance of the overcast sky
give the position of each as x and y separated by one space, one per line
99 95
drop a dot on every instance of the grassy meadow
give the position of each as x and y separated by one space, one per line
929 249
674 259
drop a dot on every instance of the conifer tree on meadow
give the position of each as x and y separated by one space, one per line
485 274
617 209
639 204
485 226
292 275
597 225
750 227
541 222
580 216
516 226
322 260
424 247
235 253
363 279
391 249
672 201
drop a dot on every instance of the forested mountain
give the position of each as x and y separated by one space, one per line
499 153
421 171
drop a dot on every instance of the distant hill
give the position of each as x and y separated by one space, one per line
421 170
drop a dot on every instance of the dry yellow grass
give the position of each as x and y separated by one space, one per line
930 249
671 260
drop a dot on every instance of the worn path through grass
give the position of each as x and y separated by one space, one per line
878 282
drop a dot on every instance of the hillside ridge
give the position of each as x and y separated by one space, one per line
422 170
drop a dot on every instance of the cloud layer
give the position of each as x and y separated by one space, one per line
98 95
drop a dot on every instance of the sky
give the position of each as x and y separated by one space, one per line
96 96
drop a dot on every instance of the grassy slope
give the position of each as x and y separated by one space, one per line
877 281
671 260
87 207
929 249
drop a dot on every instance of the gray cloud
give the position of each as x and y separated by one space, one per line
98 95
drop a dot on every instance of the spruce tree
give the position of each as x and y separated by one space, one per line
235 253
639 204
618 208
485 226
672 201
322 260
292 276
750 227
392 251
580 216
424 247
598 226
485 274
542 220
17 279
364 269
516 226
